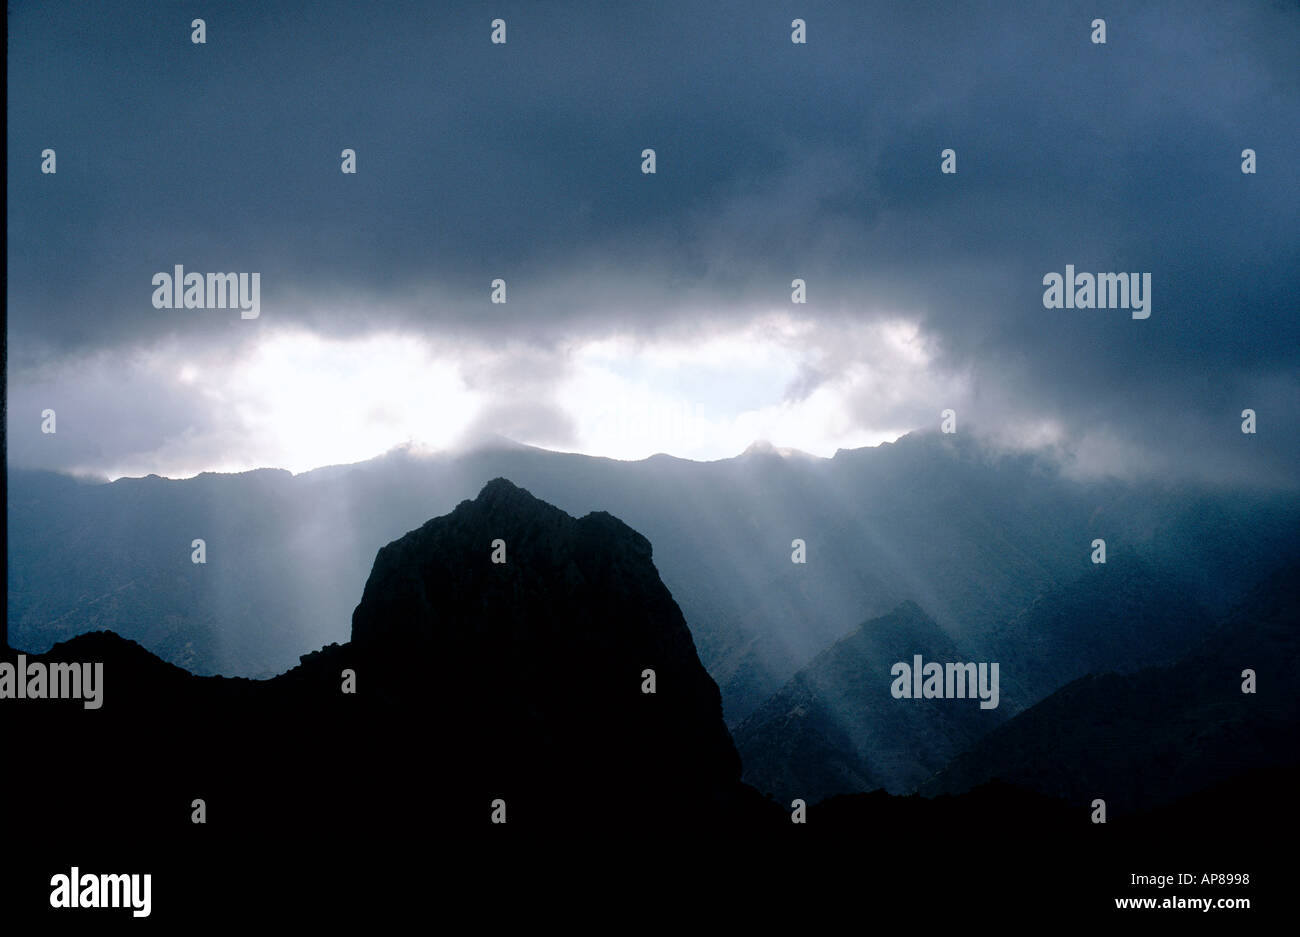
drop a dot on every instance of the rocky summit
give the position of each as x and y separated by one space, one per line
533 640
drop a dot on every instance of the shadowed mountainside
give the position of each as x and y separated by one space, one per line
835 728
1146 738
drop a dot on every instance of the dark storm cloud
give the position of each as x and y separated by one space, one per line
774 161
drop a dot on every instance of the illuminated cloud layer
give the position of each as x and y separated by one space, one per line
653 313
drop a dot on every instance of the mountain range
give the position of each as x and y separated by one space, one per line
493 696
934 545
971 535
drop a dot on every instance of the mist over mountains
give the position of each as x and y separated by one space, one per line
972 536
834 728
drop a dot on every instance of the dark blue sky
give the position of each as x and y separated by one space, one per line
775 161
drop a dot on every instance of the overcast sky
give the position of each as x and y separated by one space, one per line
652 313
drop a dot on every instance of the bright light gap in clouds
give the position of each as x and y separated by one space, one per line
299 401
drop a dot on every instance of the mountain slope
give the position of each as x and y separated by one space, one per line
829 731
1120 616
1145 738
835 728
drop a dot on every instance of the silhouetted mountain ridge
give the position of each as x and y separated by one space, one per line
553 643
474 681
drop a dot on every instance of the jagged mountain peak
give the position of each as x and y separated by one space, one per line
503 497
541 629
493 554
